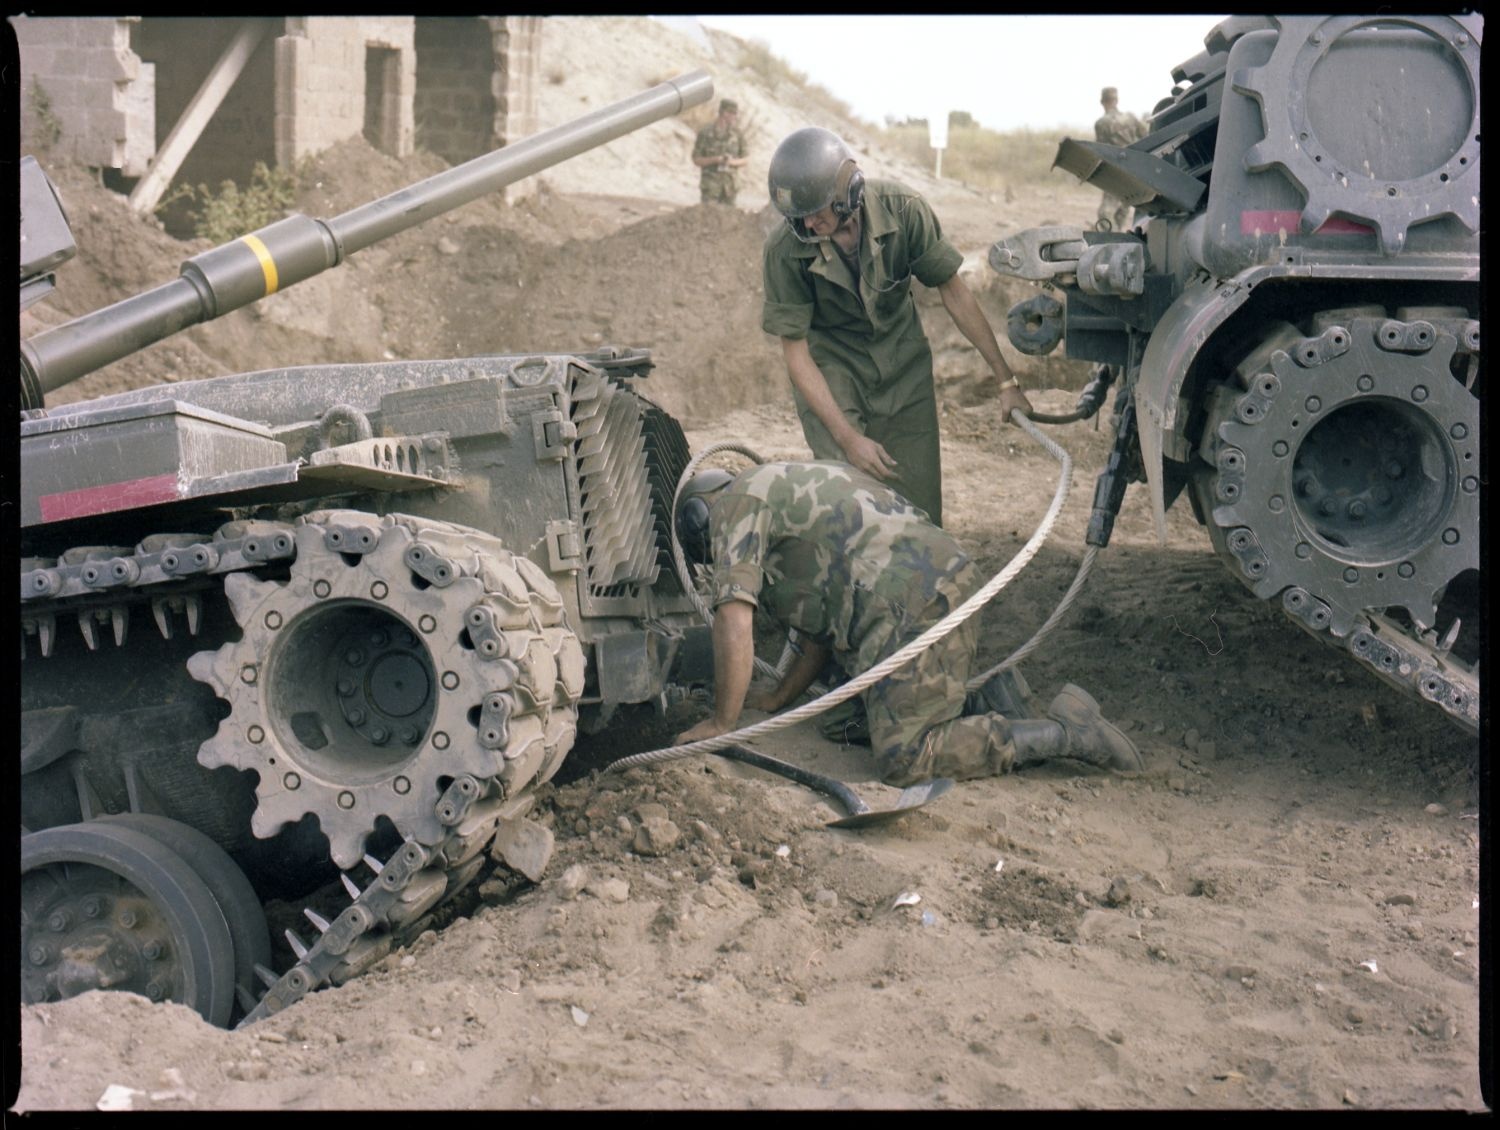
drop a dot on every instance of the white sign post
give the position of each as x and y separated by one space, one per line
937 137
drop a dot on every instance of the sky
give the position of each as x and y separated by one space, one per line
1009 72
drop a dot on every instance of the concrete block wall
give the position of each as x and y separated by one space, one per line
113 88
455 104
514 81
320 82
518 55
81 82
185 51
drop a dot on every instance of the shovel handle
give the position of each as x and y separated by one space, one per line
845 795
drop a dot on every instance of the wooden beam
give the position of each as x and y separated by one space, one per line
200 111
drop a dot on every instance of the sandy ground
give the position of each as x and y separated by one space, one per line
1280 911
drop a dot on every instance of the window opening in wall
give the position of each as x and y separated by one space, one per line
382 98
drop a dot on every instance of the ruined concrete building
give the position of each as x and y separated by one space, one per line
201 100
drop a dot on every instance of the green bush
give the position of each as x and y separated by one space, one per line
232 211
49 129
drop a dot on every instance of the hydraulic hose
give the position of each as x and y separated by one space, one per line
1090 398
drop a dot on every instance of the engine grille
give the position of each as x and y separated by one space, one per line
629 454
667 455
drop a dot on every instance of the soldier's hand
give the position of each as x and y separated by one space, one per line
864 454
1011 399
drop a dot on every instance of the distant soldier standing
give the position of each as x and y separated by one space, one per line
719 150
1116 127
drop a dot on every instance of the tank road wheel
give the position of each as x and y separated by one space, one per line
1343 477
248 932
104 906
400 654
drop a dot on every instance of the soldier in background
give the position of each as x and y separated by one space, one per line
719 150
1116 127
860 573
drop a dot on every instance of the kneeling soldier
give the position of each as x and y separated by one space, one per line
859 573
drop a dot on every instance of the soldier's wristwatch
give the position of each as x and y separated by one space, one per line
1012 383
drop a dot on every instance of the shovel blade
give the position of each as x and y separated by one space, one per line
911 798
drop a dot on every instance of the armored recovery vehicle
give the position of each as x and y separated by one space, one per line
1294 326
336 621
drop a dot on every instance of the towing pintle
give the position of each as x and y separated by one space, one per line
275 257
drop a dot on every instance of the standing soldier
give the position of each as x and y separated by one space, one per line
719 150
1116 127
838 293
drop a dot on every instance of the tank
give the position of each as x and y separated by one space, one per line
1293 327
320 626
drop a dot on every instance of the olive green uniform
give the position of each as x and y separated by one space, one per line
1117 128
716 185
864 333
839 556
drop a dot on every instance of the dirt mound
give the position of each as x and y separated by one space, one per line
549 273
622 256
684 284
1280 910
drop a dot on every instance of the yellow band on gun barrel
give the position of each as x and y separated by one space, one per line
267 264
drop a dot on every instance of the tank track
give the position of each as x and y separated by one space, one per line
398 652
471 770
1343 480
393 907
100 585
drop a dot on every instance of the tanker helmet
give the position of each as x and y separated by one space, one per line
811 169
692 513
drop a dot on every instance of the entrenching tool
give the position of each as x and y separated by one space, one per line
860 813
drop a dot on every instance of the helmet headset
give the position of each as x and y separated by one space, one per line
692 514
813 169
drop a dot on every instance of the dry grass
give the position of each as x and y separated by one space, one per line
985 158
776 74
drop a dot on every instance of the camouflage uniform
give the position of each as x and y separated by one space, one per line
1117 128
845 560
718 186
864 333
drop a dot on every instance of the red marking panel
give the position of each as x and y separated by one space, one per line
1290 221
110 497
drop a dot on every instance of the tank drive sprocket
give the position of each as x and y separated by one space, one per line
1331 114
400 654
1343 469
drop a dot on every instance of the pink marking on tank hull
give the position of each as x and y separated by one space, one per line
1290 221
108 498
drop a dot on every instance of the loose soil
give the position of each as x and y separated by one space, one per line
1280 911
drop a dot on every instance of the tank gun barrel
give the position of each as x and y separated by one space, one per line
247 269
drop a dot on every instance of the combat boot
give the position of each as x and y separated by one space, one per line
847 723
1006 693
1074 728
